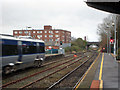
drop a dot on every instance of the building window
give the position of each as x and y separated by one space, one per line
56 39
56 31
50 35
45 39
50 39
39 36
50 31
20 32
56 35
15 32
45 35
45 31
39 31
25 31
33 31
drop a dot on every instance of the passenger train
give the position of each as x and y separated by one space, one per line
19 53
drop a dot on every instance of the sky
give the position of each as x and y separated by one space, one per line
71 15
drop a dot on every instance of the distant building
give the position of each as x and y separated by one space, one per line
52 37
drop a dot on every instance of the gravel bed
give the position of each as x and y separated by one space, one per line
49 81
28 71
46 82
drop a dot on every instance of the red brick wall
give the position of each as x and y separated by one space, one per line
65 36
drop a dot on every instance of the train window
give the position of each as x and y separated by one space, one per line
29 47
9 47
41 48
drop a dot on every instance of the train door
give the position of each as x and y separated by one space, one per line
19 52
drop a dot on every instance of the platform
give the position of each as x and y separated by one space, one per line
52 56
103 74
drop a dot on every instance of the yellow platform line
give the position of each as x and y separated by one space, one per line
101 85
100 73
101 68
87 72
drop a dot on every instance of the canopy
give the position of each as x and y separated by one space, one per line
112 6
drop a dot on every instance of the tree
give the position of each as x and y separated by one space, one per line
107 28
76 45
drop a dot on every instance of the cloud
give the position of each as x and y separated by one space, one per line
71 15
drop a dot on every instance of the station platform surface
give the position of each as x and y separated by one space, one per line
47 55
103 74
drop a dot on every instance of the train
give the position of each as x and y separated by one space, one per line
20 52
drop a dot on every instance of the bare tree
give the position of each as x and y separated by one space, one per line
106 28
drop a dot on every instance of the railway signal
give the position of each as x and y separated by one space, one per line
60 42
111 41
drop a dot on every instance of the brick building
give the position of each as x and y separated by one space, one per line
52 37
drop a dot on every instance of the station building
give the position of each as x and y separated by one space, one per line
54 38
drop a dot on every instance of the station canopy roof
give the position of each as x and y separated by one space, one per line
112 6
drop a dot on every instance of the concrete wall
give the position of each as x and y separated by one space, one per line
66 45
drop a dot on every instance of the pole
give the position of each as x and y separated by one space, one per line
115 39
107 42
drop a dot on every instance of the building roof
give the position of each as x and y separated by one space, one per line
10 37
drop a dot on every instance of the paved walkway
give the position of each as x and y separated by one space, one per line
105 69
110 75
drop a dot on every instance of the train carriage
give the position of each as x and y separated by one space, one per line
19 53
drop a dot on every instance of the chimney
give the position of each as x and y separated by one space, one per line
85 38
47 27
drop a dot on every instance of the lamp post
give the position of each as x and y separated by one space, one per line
115 38
107 42
114 24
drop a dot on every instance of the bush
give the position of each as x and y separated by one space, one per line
76 46
68 49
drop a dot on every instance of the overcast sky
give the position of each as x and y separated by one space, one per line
71 15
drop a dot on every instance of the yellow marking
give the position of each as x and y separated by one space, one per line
101 85
100 74
87 72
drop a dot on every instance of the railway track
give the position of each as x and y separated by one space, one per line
45 63
35 74
69 80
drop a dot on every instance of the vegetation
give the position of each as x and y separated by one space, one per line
107 29
77 45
